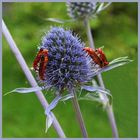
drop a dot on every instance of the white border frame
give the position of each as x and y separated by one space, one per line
69 138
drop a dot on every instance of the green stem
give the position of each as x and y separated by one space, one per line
79 115
105 99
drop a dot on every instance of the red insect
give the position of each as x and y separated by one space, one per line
98 56
40 62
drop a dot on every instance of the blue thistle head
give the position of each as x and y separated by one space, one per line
68 64
81 10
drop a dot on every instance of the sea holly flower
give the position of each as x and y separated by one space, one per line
85 10
62 64
82 10
68 64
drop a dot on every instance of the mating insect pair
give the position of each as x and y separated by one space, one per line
41 59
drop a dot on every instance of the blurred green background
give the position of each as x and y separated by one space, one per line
115 28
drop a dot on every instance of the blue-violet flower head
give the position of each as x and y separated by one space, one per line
81 10
68 64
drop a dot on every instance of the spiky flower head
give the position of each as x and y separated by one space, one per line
68 64
81 10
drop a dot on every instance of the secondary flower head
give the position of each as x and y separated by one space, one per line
68 64
85 10
81 10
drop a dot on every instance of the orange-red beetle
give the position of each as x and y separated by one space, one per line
102 56
40 62
98 56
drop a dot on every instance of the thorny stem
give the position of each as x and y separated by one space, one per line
29 76
104 97
79 115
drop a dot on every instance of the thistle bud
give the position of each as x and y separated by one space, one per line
81 10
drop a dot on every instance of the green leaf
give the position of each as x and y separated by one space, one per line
24 90
59 20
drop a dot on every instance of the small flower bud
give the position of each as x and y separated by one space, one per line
81 10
